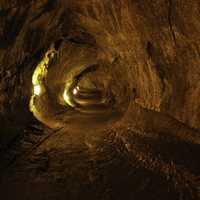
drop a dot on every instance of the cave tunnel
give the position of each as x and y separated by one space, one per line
99 99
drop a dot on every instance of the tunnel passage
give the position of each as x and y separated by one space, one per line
66 90
99 100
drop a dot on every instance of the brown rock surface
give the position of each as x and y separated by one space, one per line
144 57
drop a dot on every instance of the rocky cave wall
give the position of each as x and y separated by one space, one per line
156 42
148 53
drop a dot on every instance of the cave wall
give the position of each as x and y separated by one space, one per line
148 53
156 42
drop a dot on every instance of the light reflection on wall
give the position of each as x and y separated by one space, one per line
38 78
39 89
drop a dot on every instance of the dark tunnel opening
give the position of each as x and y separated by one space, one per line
99 100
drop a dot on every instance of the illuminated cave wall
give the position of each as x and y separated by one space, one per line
156 42
148 57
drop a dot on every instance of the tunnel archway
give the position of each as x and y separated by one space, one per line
99 99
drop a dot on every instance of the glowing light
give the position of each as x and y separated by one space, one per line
42 68
37 90
75 91
39 74
67 98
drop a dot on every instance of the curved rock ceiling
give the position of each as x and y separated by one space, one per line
99 99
